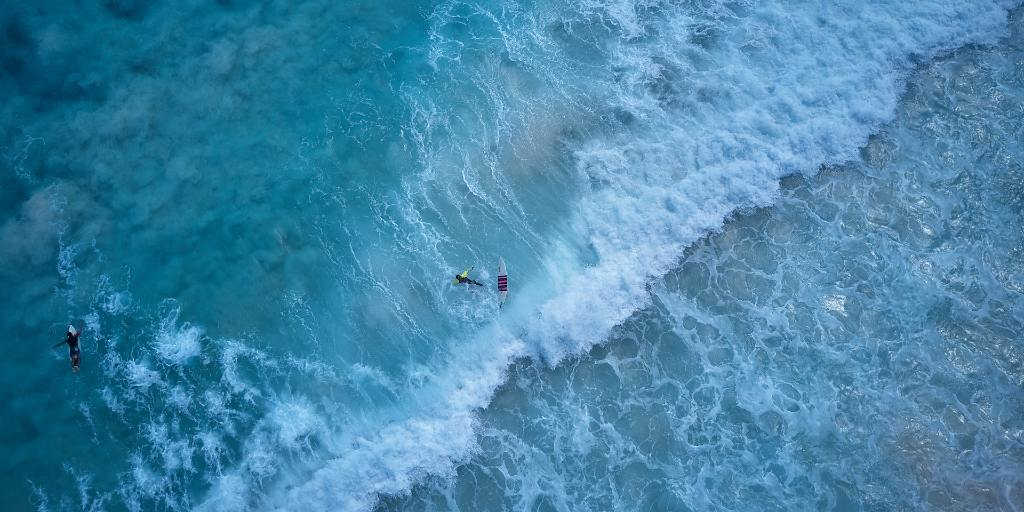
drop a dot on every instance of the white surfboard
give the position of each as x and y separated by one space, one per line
502 282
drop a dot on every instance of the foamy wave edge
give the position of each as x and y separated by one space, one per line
639 221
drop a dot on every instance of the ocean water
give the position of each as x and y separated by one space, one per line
763 255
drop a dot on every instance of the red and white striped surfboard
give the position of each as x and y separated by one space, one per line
502 282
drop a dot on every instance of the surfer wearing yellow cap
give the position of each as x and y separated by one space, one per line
72 341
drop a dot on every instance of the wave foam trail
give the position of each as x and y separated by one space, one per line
176 344
718 106
400 455
703 111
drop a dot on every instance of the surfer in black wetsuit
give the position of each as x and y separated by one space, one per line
463 279
72 341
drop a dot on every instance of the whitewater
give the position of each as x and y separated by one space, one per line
762 255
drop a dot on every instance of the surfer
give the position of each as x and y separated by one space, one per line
72 341
464 278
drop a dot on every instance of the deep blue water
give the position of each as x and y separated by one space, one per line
762 255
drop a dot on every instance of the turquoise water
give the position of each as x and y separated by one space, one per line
762 255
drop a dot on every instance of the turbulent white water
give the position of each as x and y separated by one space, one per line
257 210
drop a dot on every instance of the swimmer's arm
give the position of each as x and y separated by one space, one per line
59 344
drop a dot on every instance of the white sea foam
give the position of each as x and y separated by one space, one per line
295 422
140 376
818 85
391 460
173 343
228 493
180 398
